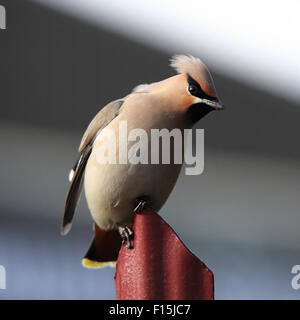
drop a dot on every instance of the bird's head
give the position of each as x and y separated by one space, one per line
191 93
195 86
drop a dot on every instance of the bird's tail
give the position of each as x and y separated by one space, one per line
104 249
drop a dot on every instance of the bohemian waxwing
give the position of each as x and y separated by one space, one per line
114 191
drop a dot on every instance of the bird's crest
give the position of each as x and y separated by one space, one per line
186 63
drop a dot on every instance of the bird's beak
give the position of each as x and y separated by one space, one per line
217 105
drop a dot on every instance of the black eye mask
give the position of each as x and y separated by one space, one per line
195 89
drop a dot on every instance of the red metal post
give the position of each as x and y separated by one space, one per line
160 266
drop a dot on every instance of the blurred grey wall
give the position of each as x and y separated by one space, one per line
241 216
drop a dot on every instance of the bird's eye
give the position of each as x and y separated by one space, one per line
192 89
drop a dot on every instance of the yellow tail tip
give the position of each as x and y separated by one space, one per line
87 263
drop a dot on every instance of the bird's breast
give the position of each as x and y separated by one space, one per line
121 169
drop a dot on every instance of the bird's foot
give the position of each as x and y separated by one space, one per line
140 206
126 234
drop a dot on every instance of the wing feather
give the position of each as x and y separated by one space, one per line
101 120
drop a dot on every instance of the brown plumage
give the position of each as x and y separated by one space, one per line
112 190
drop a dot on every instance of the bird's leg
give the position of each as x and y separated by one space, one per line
126 234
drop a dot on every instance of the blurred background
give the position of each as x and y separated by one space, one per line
62 60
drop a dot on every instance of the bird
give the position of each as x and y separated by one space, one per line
116 191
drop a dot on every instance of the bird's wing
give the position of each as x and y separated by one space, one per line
101 120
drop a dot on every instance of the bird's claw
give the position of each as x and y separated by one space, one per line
126 234
140 207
